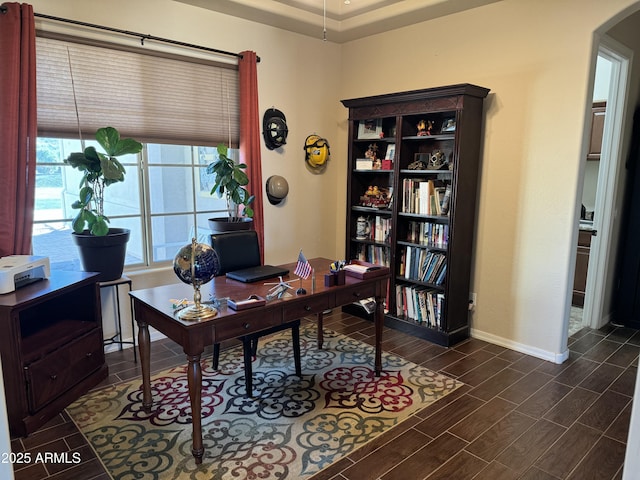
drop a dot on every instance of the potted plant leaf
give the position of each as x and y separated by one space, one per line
102 248
230 181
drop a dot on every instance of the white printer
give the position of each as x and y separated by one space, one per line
19 270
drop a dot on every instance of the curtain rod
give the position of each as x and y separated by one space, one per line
142 36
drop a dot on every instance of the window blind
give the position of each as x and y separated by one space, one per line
150 96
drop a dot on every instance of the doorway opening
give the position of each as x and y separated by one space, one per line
595 252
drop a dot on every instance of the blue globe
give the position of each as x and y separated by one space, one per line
205 261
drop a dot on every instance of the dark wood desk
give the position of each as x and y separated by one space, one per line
153 308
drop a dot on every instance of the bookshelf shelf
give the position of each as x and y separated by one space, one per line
433 137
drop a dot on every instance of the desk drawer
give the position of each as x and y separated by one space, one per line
355 294
237 327
309 306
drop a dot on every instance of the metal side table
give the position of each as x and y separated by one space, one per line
117 338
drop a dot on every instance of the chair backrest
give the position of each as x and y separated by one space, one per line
236 250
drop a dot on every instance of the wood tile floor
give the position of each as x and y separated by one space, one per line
516 417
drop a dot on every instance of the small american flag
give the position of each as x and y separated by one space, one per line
303 267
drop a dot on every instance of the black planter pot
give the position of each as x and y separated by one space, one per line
103 254
222 224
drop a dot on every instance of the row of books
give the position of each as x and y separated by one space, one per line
373 254
420 304
428 233
424 198
380 229
424 265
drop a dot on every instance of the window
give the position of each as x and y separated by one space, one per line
165 200
174 103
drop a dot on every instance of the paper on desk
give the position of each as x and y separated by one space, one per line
357 268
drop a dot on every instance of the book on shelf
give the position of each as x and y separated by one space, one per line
422 264
441 275
407 262
439 264
423 308
428 233
446 200
382 230
376 254
424 198
420 304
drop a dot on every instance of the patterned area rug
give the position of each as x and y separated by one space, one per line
291 429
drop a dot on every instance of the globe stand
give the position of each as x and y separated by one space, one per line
197 311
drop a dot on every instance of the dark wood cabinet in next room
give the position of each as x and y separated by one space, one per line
582 266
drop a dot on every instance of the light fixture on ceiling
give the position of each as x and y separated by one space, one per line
347 2
324 20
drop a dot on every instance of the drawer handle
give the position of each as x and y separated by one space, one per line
53 377
307 308
89 354
246 326
356 294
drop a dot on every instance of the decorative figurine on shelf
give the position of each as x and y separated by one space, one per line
375 197
372 191
372 152
424 127
437 160
363 228
417 165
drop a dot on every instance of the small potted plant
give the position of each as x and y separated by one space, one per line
230 181
102 249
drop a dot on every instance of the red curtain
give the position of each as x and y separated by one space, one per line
18 127
250 136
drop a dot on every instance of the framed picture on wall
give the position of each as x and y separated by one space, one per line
370 129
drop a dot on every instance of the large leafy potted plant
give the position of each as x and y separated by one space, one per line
230 181
102 248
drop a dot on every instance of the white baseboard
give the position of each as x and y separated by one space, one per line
519 347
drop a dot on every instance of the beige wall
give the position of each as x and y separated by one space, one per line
536 56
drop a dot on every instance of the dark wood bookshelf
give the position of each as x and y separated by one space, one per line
399 114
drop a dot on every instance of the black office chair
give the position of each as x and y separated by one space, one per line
238 250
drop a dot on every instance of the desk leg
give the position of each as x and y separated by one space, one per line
145 364
194 377
379 324
320 330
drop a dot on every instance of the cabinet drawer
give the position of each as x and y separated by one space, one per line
298 310
584 238
355 294
55 373
237 327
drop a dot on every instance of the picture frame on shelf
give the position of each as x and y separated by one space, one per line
449 125
368 129
391 152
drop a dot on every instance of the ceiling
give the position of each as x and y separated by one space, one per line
343 22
